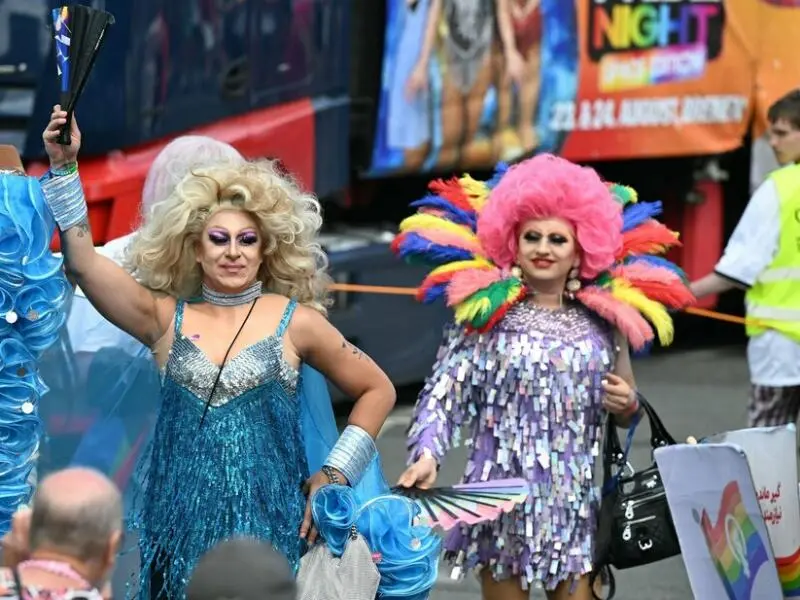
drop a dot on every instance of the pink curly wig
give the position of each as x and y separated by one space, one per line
547 187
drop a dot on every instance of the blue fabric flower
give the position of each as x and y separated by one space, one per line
33 295
407 554
334 510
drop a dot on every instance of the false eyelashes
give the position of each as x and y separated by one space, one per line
223 238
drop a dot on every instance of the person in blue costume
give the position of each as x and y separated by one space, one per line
226 284
114 380
33 293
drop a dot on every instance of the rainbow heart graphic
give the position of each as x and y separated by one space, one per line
789 574
736 547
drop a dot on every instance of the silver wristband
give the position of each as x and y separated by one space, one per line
352 453
64 197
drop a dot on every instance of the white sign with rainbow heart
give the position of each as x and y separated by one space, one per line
772 456
724 541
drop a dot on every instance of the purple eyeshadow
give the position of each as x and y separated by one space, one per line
218 238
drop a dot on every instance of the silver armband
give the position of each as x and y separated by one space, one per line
65 199
352 453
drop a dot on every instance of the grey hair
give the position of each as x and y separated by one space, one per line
79 529
179 158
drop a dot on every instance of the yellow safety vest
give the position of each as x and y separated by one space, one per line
774 299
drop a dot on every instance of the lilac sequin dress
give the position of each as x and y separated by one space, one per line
529 395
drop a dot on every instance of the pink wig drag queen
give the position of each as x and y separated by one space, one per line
528 381
622 275
545 187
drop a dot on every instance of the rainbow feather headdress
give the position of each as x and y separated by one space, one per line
633 294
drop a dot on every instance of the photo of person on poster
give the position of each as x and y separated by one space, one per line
461 83
517 98
409 122
463 32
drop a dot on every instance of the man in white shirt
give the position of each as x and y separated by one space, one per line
87 329
763 258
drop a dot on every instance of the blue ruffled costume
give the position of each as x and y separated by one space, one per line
409 554
33 294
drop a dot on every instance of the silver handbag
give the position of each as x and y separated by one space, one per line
354 576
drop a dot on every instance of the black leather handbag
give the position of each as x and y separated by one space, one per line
635 525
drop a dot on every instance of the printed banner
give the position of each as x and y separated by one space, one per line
724 541
777 73
469 82
660 79
777 58
775 482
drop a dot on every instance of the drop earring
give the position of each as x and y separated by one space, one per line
516 272
573 283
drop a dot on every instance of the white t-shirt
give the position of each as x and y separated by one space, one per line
773 358
88 330
762 162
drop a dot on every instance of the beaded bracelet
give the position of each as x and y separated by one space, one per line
332 476
634 407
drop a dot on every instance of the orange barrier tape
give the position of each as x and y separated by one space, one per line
712 314
407 291
373 289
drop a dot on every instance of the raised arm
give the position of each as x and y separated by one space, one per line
110 289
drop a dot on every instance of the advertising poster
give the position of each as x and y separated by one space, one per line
777 73
724 541
469 82
777 59
660 79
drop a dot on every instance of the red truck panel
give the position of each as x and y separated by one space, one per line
114 183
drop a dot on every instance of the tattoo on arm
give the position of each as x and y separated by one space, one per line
83 228
353 349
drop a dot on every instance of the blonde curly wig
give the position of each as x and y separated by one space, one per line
162 254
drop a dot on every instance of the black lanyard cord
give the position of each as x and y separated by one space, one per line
222 366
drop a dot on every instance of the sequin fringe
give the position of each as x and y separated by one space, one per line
529 394
241 474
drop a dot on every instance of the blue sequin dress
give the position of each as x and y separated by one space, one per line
241 473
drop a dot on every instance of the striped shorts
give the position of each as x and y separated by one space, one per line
772 406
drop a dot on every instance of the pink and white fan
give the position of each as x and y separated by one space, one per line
467 503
